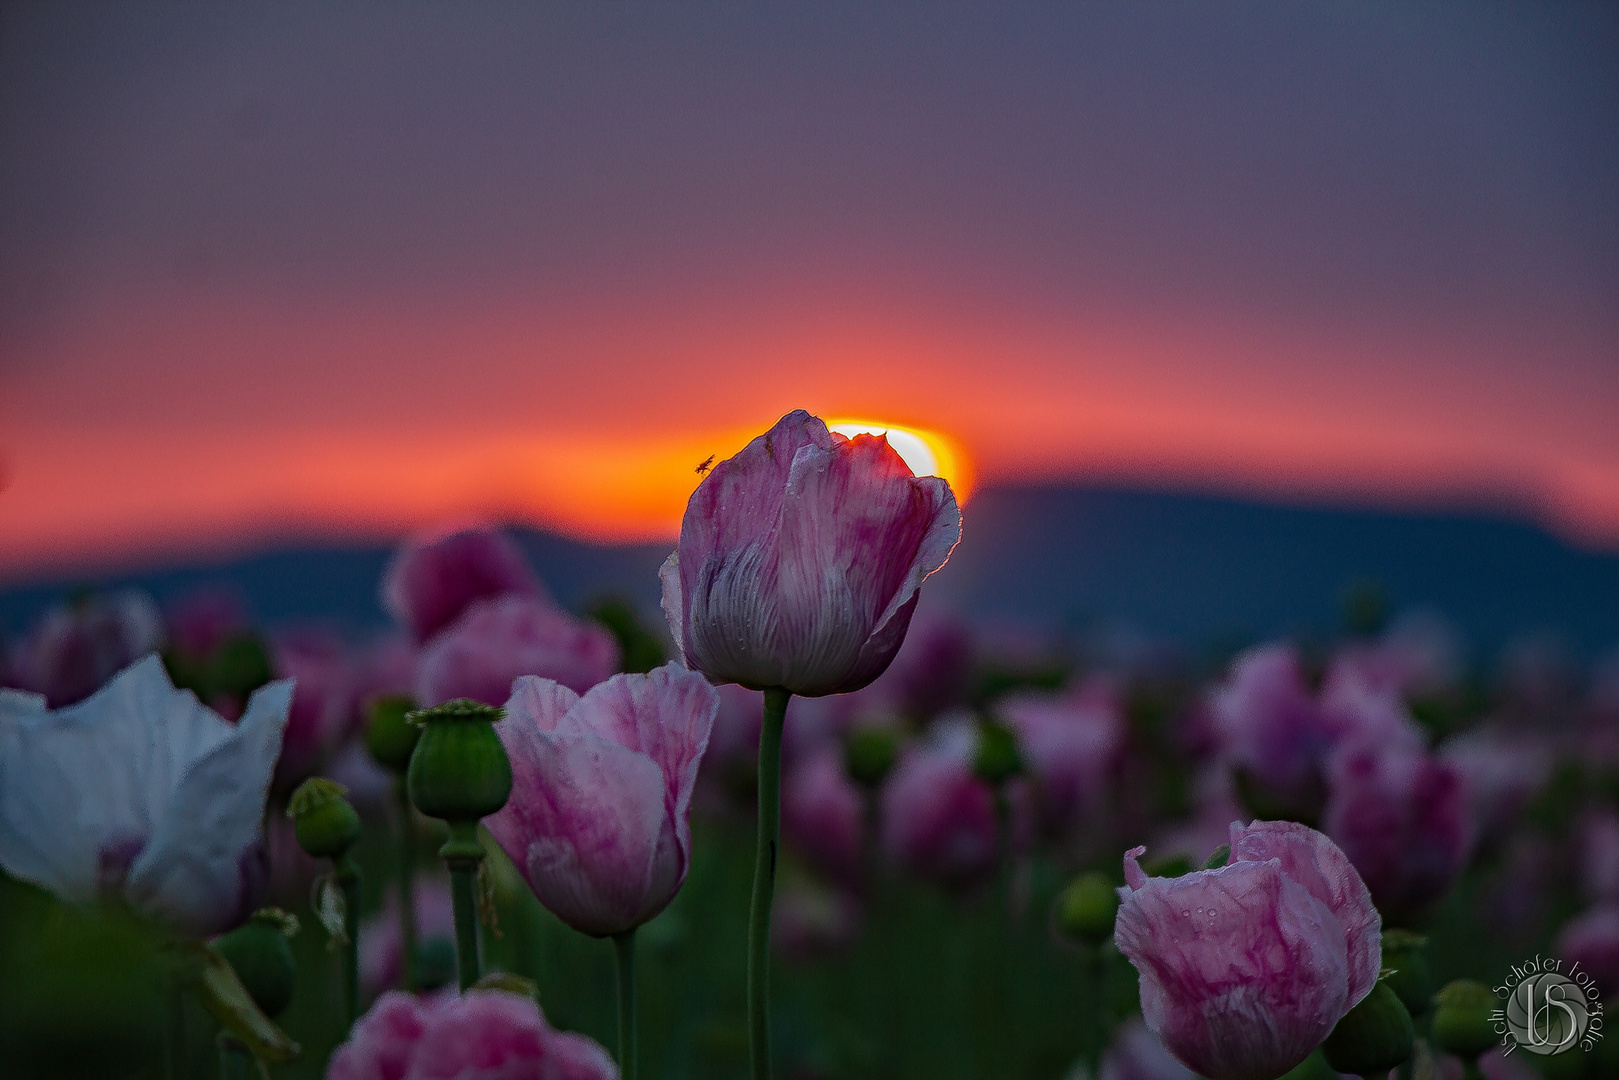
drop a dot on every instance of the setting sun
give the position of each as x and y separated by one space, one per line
928 453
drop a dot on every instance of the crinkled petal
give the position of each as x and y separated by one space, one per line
858 535
674 609
540 702
1315 862
1243 972
192 869
587 824
382 1042
95 774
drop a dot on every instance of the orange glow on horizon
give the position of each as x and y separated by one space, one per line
927 452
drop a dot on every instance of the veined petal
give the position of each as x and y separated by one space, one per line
1315 862
674 609
191 870
666 714
584 824
1243 972
98 773
539 702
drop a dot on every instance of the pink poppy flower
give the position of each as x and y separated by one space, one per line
429 583
1070 745
938 817
800 560
1592 941
1247 968
601 789
497 640
480 1035
1402 817
77 647
824 816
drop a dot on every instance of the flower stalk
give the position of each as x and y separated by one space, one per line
624 950
462 854
764 881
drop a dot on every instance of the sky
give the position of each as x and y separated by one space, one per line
348 270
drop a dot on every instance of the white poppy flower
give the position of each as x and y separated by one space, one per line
141 792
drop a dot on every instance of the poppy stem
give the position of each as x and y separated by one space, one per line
764 881
462 854
624 946
235 1060
174 1038
407 887
347 873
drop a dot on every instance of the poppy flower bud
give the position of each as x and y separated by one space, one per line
390 737
868 755
326 824
997 758
240 666
459 771
1461 1019
1373 1037
262 960
1410 977
1086 909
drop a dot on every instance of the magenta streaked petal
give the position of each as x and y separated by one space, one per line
497 640
601 788
1243 972
800 559
1318 864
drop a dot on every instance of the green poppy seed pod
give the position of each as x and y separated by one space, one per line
868 754
240 666
1373 1037
1461 1019
1405 957
390 737
459 771
326 824
997 759
1086 909
259 953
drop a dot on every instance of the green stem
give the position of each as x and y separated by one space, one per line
347 872
235 1060
462 854
1096 963
407 888
174 1038
764 881
624 946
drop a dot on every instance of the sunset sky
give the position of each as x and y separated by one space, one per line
309 269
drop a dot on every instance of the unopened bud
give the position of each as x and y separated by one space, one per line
259 953
326 824
1086 909
1373 1037
1461 1019
997 759
1405 958
869 753
390 737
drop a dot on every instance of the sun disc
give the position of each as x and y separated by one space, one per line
927 453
